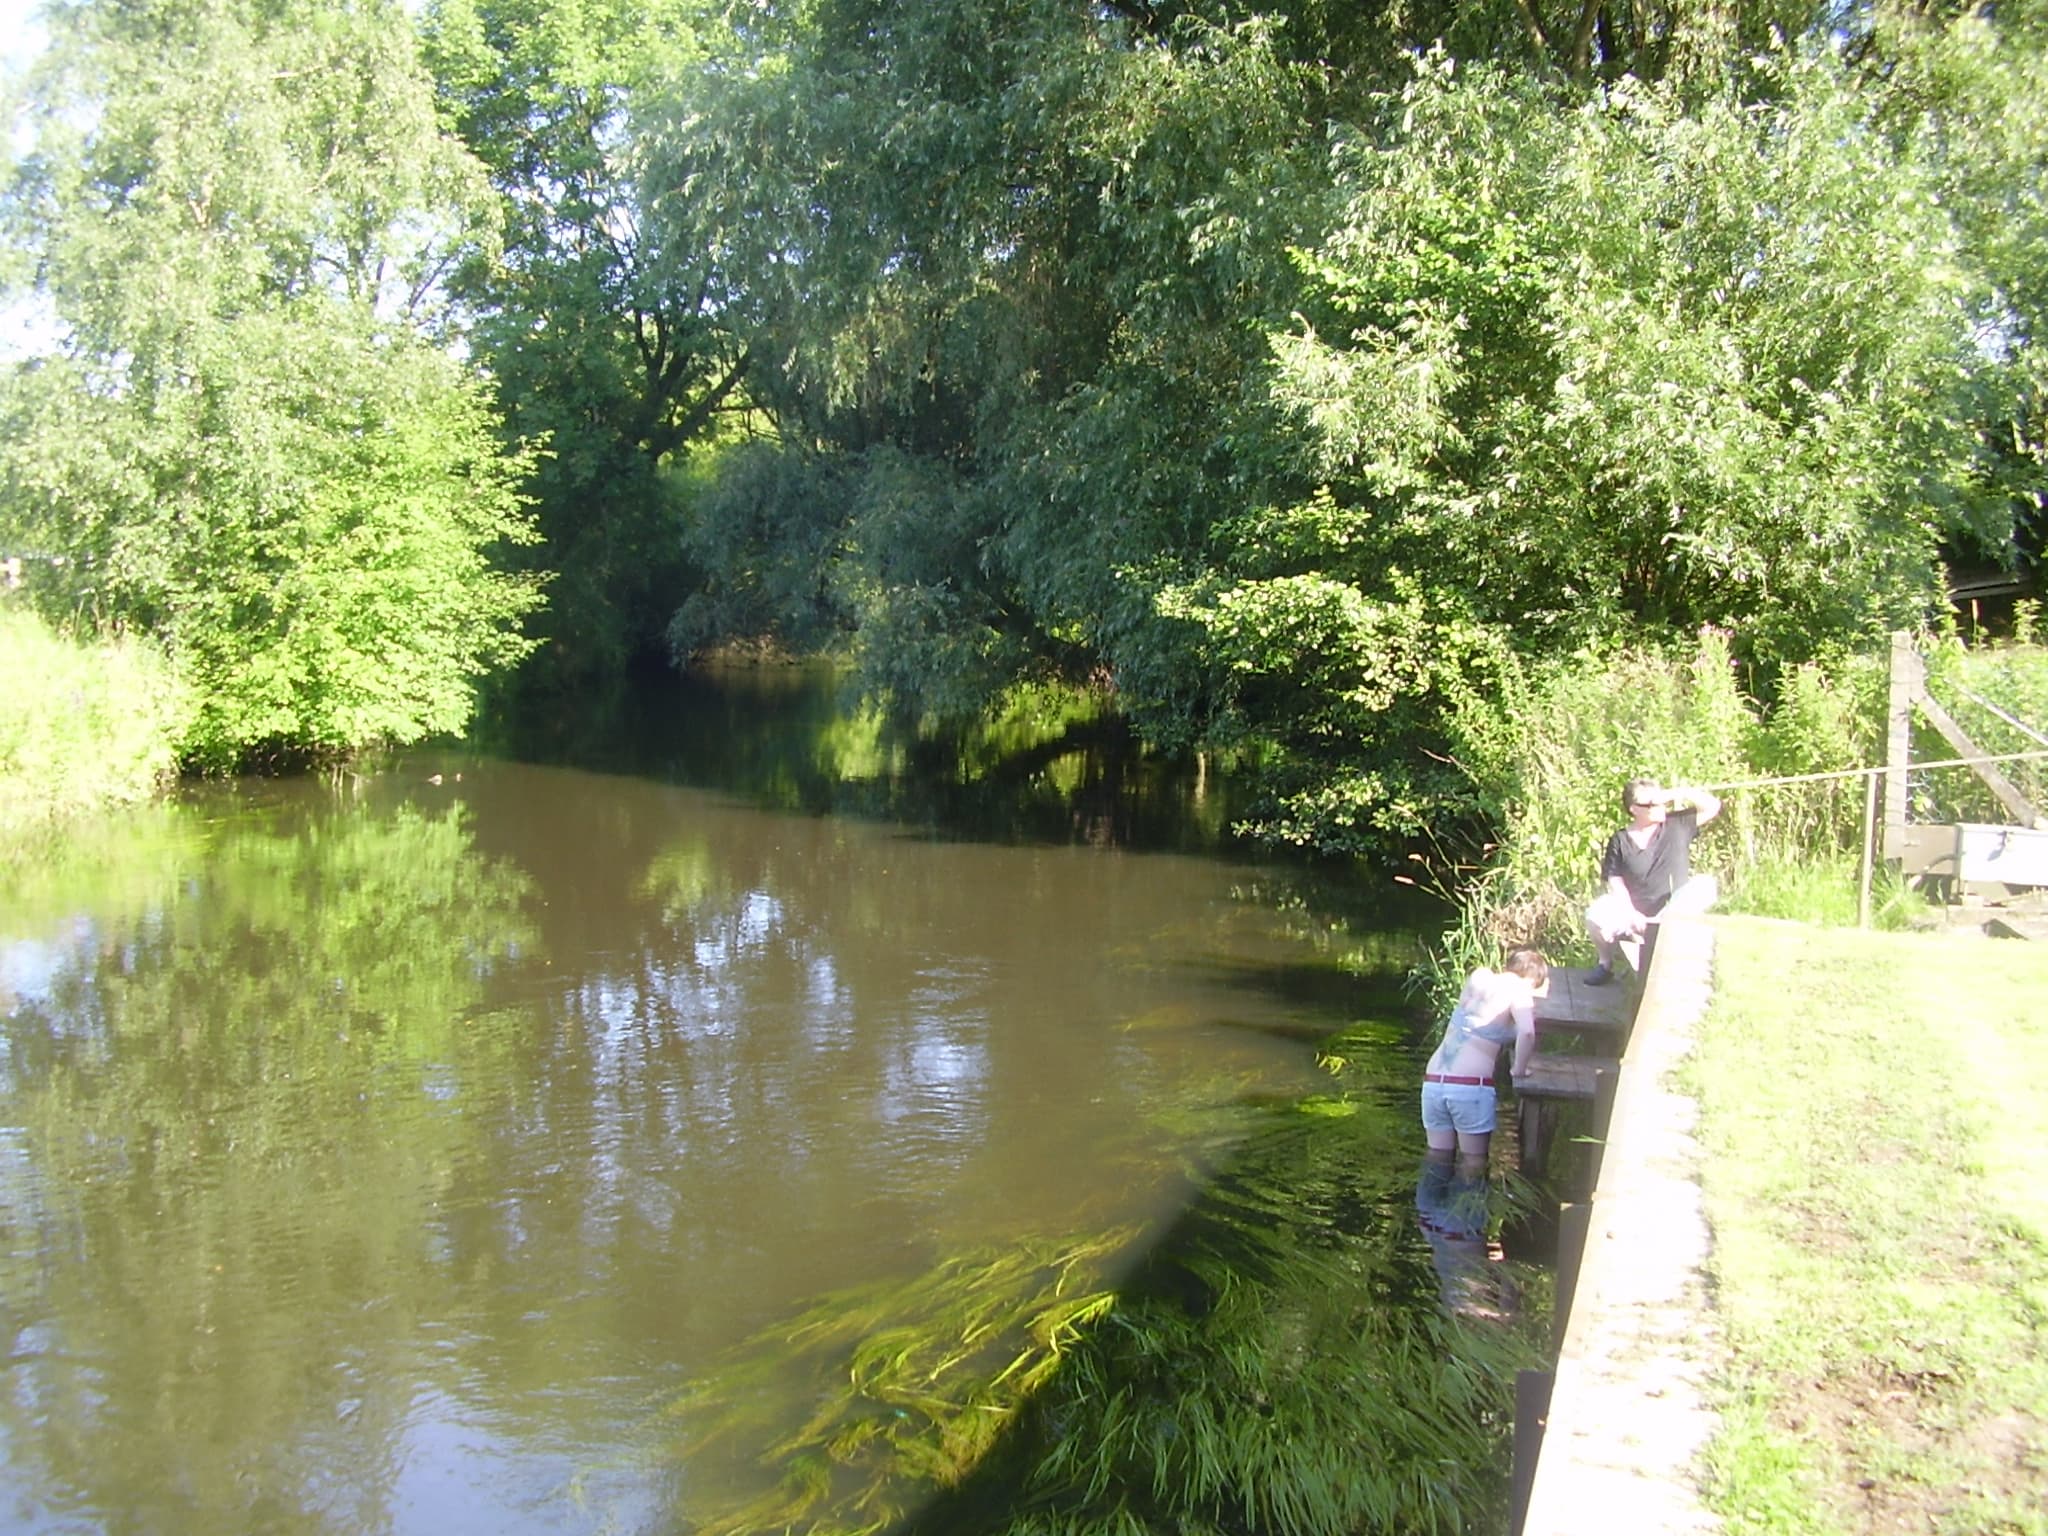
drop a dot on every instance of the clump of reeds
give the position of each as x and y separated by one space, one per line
1551 759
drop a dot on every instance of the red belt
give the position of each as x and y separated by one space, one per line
1462 1082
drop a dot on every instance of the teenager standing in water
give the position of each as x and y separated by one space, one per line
1494 1009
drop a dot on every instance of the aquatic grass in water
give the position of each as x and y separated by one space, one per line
1279 1364
916 1380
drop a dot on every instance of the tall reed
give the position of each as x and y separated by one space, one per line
1552 755
88 723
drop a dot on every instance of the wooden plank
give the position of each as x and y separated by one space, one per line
2016 804
1572 1004
1574 1222
1562 1077
2011 856
1532 1135
1532 1407
1606 1077
1927 848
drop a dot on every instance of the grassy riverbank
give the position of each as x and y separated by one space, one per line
1874 1123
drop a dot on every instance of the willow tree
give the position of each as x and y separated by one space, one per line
955 218
247 441
625 353
1307 377
1620 371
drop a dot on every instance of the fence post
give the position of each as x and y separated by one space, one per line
1905 685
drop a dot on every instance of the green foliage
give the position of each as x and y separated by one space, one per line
1824 719
1554 760
249 446
1009 249
1998 694
767 532
1969 95
1349 686
1262 1370
1632 364
1310 404
87 725
619 351
1811 887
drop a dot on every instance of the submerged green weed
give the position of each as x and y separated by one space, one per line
915 1380
1278 1364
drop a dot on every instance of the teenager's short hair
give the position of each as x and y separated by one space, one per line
1634 788
1529 964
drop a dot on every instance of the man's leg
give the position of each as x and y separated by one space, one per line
1609 924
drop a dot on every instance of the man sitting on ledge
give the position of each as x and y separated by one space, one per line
1647 867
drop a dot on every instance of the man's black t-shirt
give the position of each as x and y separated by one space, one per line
1653 873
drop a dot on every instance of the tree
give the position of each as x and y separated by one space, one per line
622 352
1621 370
241 211
1010 265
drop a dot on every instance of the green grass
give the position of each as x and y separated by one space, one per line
1821 891
1874 1128
87 724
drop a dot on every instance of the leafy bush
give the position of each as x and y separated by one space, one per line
251 444
1999 695
1553 762
86 725
1552 757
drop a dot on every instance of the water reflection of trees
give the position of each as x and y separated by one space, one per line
1057 768
234 1069
364 1130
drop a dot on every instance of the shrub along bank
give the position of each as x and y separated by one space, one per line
87 724
1549 757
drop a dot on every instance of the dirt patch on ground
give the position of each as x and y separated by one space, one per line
1874 1425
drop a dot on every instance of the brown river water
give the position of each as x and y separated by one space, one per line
392 1151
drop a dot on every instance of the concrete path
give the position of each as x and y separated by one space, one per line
1628 1417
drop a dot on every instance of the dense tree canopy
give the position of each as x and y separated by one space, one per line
616 351
250 443
1301 371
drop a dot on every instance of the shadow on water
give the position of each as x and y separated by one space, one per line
790 738
1326 1340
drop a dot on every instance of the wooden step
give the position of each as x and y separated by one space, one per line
1562 1077
1574 1005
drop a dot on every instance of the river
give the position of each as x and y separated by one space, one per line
415 1149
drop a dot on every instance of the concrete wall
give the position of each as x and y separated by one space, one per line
1627 1416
